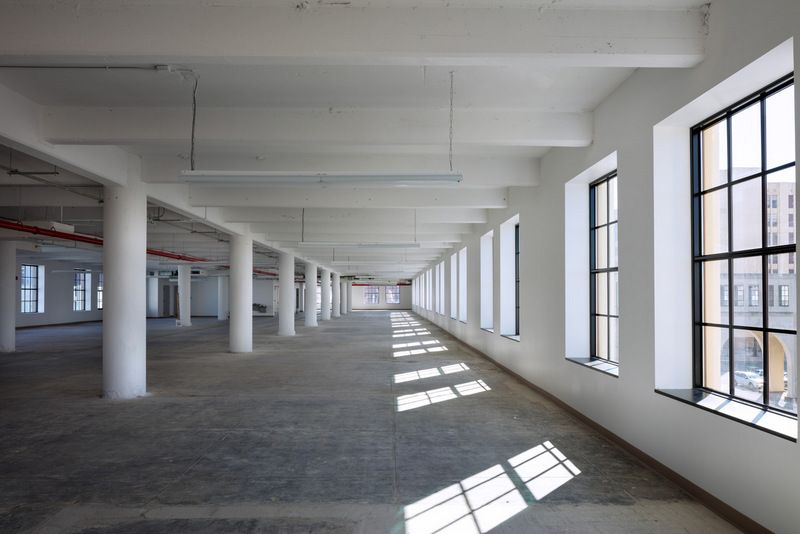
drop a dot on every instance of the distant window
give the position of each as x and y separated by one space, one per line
784 296
29 278
100 291
754 296
604 268
392 294
462 285
723 295
79 293
771 296
739 295
454 286
791 201
372 295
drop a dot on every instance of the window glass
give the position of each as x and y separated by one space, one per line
604 272
372 295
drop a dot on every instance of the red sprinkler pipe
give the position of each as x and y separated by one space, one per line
91 240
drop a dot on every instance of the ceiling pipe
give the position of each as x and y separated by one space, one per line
91 240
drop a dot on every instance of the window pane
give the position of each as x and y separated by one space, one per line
747 277
748 365
715 358
601 292
612 246
747 215
601 204
783 313
601 248
613 333
782 372
715 299
601 346
612 200
780 220
780 128
715 222
715 155
746 142
613 293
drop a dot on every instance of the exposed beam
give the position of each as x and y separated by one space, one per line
266 127
403 227
362 216
336 34
346 197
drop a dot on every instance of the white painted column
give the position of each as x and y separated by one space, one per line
325 282
349 296
240 294
286 294
343 290
152 297
302 295
125 297
336 301
222 298
311 294
8 296
184 295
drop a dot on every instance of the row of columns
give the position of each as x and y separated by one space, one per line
127 293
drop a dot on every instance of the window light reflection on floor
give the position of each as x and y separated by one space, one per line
428 373
485 500
426 398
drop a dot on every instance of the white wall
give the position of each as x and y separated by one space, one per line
58 296
751 470
358 299
204 296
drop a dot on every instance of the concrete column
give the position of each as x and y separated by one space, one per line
336 300
311 294
184 295
302 294
343 290
152 297
325 283
222 298
125 297
349 296
240 294
286 294
8 296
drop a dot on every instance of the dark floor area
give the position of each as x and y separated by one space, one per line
373 422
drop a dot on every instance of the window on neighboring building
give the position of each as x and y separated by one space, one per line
724 295
743 158
603 268
784 296
392 294
372 295
80 294
100 291
29 287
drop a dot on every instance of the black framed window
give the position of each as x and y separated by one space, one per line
743 184
516 280
603 268
372 295
392 294
100 292
79 292
29 289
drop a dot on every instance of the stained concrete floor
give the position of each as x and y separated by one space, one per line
331 431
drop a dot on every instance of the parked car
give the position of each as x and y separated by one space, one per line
748 380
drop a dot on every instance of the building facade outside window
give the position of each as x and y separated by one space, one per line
604 269
743 187
392 294
372 295
29 284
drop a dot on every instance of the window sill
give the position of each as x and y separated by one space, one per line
603 366
512 338
772 422
490 330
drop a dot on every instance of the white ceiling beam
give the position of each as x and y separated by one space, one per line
337 34
47 196
402 227
347 197
362 216
366 236
232 127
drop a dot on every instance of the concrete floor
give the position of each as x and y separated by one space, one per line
314 433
